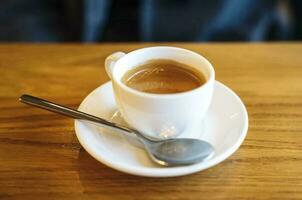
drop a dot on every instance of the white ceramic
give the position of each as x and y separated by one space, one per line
225 127
160 115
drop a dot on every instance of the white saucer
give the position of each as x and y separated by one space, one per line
225 127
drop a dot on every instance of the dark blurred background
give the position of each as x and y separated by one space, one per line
150 20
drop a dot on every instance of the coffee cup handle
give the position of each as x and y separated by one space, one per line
111 60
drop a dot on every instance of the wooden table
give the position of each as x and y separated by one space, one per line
41 158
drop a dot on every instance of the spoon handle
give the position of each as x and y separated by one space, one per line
53 107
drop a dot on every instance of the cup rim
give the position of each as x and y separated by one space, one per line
170 95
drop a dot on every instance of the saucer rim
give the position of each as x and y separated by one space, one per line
164 171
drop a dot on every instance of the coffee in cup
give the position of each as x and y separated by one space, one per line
162 76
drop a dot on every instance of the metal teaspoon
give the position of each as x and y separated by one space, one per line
169 152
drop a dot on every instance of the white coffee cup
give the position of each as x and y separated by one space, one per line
160 115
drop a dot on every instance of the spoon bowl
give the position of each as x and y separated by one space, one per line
172 152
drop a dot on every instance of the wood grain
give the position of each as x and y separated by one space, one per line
40 157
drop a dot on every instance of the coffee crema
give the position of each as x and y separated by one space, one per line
163 76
